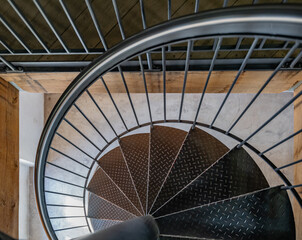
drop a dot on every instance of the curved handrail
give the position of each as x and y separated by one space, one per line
274 21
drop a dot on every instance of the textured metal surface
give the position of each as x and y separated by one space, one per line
164 147
102 209
234 174
262 215
198 152
101 224
173 237
136 152
114 165
104 187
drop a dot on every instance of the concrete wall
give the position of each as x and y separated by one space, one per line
31 125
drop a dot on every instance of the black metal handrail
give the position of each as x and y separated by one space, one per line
283 23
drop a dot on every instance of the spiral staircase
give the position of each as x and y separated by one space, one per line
97 170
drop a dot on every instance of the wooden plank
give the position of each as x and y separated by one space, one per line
9 158
248 82
298 156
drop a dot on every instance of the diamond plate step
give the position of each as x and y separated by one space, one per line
104 187
234 174
199 151
162 237
101 224
262 215
101 209
114 165
136 152
165 145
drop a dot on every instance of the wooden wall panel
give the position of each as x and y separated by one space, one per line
298 156
248 82
9 158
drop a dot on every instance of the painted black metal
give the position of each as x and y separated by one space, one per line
198 152
147 41
234 174
142 228
262 215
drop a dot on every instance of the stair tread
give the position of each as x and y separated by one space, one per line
100 208
136 152
265 214
114 165
101 224
164 146
104 187
198 152
234 174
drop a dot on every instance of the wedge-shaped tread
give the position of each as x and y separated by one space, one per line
164 147
101 224
104 187
199 151
102 209
136 152
262 215
114 165
234 174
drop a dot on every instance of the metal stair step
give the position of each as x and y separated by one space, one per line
262 215
101 224
234 174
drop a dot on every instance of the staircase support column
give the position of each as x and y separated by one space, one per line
9 158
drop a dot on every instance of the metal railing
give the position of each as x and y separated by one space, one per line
284 23
42 49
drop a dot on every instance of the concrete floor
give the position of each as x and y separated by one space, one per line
263 108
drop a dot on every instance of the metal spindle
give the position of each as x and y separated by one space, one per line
65 155
282 141
88 120
61 181
146 89
113 102
290 52
96 24
28 25
189 47
262 43
288 165
291 187
149 59
238 43
38 5
196 6
128 93
11 66
169 17
88 155
81 133
62 217
118 18
225 3
63 229
296 60
236 78
207 81
6 47
270 119
73 25
164 82
65 169
62 205
103 114
14 34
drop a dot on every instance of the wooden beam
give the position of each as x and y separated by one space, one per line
9 158
248 82
298 156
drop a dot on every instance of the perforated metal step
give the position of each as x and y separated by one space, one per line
262 215
234 174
